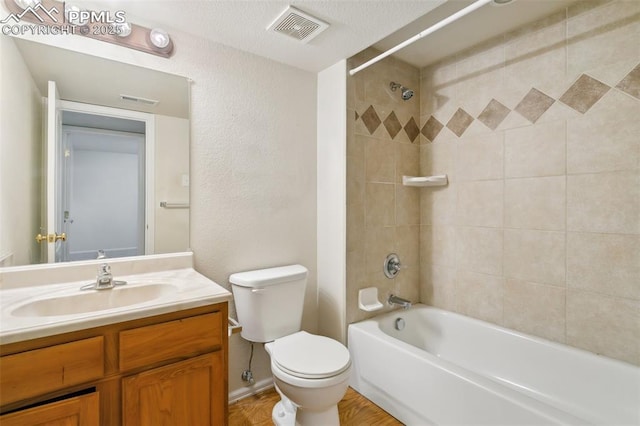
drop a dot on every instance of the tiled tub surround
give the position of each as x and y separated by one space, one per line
539 228
383 216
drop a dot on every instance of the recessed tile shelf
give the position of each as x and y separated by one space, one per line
440 180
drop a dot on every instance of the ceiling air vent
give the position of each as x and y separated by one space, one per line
298 25
139 100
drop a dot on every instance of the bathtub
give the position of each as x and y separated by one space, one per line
447 369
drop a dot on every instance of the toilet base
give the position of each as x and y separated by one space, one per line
329 417
286 414
283 417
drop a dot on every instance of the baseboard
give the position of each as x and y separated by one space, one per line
244 392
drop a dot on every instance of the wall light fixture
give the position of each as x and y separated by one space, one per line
104 25
123 29
159 38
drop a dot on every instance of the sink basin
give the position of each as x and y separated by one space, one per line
94 300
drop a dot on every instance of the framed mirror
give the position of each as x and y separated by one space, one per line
94 157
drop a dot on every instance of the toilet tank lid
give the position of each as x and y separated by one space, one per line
269 276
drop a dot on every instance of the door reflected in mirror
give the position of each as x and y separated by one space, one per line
101 205
91 170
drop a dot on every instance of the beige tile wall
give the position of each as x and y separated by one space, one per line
383 144
539 228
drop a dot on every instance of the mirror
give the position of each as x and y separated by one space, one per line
105 100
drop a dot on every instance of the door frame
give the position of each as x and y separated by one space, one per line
149 156
51 140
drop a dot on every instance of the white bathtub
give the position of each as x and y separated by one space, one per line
448 369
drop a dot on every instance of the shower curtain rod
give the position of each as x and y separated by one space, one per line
459 14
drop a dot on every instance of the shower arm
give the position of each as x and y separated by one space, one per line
446 21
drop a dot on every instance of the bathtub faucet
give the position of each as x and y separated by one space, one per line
395 300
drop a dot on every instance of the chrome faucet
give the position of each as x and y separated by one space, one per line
395 300
104 280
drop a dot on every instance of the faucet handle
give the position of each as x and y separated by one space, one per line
392 266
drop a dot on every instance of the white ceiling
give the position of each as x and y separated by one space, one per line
355 25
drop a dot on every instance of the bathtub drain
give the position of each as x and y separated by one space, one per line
400 324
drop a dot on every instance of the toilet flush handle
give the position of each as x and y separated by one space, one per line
257 290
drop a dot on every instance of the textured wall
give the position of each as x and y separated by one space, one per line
382 214
539 229
20 138
253 177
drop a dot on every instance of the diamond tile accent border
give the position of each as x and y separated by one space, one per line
460 121
370 119
493 114
581 96
534 104
392 124
584 93
631 83
431 128
412 130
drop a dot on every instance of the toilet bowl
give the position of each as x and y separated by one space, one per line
311 373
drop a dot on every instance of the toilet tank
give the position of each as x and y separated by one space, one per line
269 301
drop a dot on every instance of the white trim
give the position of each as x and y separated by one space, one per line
149 184
103 110
149 143
332 200
51 142
247 391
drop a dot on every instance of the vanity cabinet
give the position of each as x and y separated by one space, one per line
169 369
81 410
177 394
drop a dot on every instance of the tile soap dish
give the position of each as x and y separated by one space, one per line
368 299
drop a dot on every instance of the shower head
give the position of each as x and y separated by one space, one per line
406 93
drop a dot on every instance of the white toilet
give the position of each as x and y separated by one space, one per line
311 373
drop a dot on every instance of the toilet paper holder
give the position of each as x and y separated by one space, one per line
234 326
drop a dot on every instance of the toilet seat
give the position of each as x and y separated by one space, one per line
308 356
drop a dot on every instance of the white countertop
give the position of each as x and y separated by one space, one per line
190 290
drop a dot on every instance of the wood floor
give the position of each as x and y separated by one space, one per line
354 409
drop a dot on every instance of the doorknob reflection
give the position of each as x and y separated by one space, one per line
51 237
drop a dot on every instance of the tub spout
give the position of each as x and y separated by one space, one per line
395 300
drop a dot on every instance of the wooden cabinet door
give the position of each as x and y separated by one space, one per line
188 392
76 411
